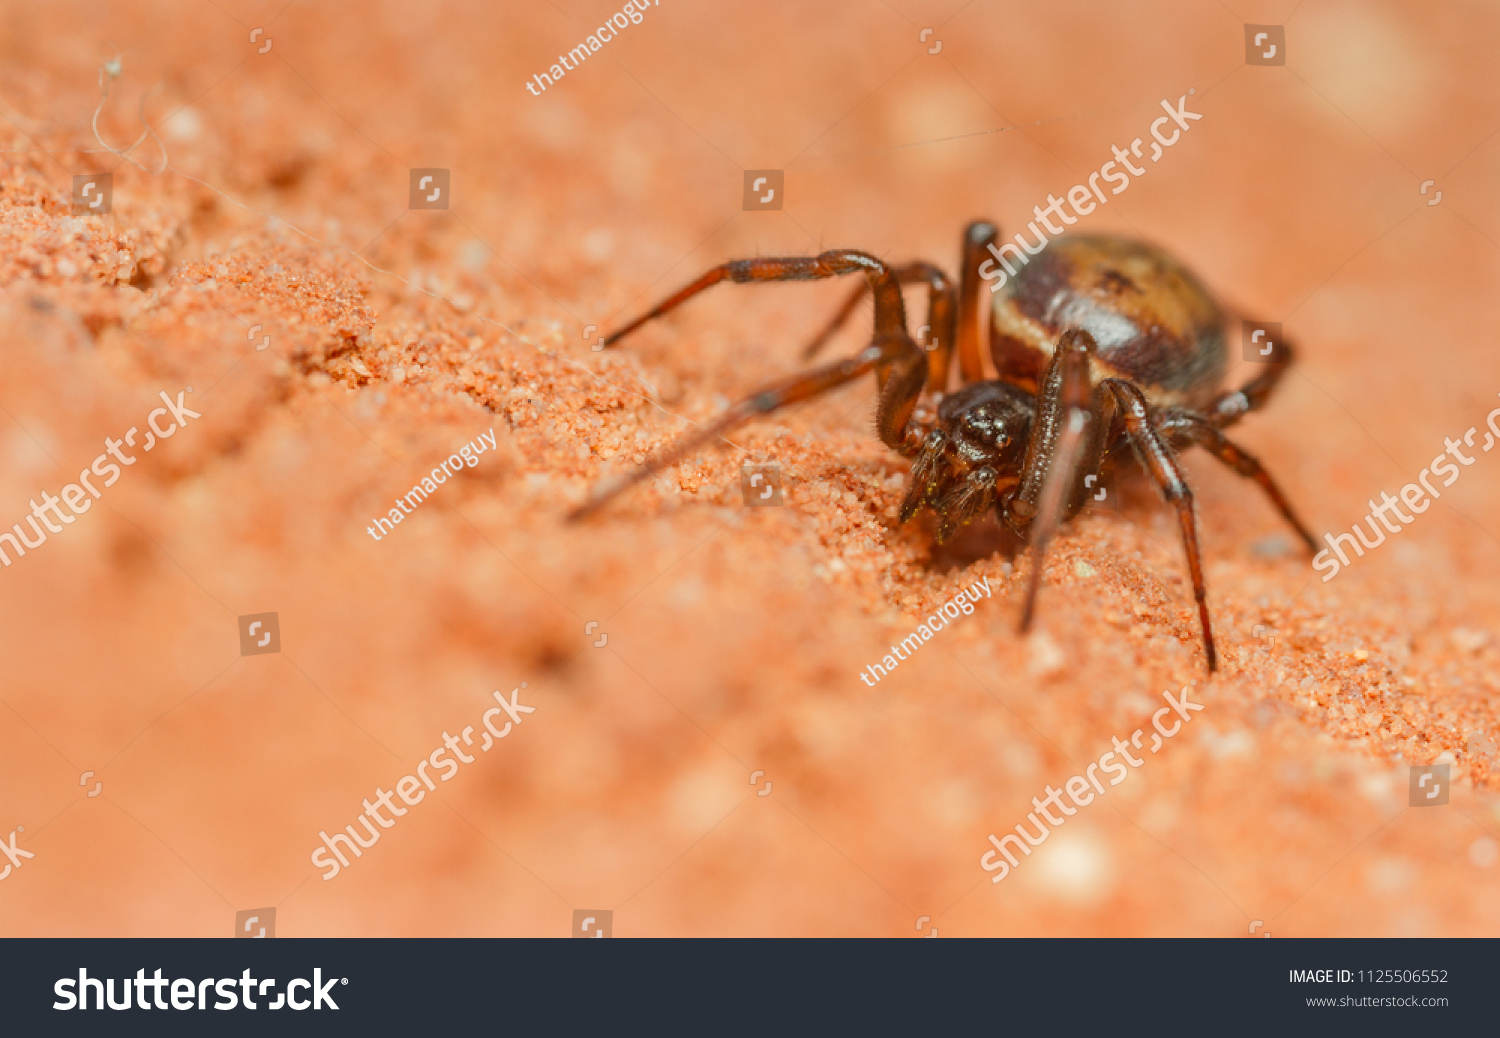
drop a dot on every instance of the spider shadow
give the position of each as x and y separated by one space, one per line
981 539
988 538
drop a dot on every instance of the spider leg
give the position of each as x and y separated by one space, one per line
939 306
977 236
1229 407
1039 503
1187 429
1160 462
890 309
924 483
964 333
908 366
900 365
940 318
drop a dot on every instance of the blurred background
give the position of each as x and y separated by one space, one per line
703 758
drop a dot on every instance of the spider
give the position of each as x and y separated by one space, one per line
1098 342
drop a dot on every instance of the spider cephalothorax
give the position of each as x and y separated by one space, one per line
1099 343
980 439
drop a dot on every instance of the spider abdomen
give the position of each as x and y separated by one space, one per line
1154 322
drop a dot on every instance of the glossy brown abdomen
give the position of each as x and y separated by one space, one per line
1155 323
